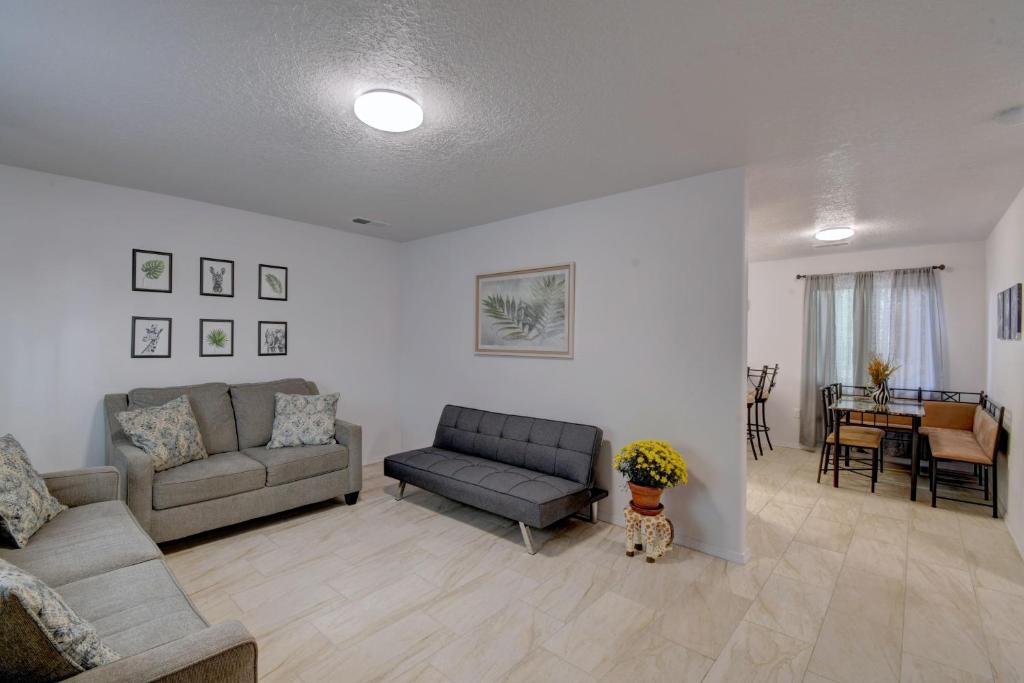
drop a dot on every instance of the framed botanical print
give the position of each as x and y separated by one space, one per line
526 312
273 338
273 282
151 337
216 337
216 277
151 271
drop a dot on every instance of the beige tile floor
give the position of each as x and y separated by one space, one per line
843 586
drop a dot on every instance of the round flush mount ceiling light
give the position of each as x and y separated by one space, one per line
834 234
388 111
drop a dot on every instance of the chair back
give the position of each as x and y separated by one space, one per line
986 429
829 393
770 374
756 378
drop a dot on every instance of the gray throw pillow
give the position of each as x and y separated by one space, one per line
169 433
303 420
46 640
25 503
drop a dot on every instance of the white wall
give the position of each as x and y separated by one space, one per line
775 316
660 291
66 306
1005 253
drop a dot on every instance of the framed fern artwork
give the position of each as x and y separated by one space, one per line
273 282
526 312
151 271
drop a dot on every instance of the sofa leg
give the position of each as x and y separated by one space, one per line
593 513
401 490
527 538
351 498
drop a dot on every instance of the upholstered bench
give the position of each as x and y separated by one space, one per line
534 471
973 442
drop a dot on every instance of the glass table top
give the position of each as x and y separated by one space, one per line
864 404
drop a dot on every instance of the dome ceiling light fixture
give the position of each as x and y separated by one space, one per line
388 110
834 234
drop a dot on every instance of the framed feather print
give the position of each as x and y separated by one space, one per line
273 282
527 312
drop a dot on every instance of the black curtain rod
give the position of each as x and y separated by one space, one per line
941 266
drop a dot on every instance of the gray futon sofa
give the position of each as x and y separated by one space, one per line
95 555
527 469
241 479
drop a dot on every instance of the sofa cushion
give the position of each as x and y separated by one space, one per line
956 444
948 415
218 476
25 502
299 462
68 643
303 420
254 408
560 449
528 496
211 404
169 434
84 541
134 608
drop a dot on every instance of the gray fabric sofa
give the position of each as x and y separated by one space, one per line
534 471
108 570
242 479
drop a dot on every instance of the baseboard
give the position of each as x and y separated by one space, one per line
1017 536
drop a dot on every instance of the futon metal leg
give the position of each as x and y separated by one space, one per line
995 486
984 477
934 476
401 490
527 538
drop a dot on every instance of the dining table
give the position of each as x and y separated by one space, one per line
844 405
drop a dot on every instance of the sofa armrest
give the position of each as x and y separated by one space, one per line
84 486
136 470
351 437
224 652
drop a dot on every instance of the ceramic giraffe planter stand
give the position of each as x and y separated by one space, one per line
651 533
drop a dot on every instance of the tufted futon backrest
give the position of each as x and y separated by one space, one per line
561 449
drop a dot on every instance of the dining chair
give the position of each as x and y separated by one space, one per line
850 437
756 379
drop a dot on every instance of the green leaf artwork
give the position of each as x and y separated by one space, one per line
217 338
534 318
153 269
274 282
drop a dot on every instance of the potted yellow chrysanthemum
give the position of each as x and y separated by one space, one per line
650 467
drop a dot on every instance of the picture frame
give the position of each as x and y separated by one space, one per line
216 277
273 282
527 312
1008 313
152 271
272 338
151 337
216 338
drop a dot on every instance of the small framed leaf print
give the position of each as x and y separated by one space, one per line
273 338
151 271
151 337
273 282
216 337
216 277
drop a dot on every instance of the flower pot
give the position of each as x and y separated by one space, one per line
881 393
646 499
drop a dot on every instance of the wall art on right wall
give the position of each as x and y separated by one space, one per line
1008 304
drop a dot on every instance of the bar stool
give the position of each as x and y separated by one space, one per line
756 379
761 401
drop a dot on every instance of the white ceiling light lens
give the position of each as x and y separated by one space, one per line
834 234
388 111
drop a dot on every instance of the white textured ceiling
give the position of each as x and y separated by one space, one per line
872 112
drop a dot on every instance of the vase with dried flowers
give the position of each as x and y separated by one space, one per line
649 468
880 371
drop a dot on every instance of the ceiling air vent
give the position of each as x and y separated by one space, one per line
367 221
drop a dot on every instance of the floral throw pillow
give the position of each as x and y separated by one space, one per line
303 420
75 639
25 502
169 433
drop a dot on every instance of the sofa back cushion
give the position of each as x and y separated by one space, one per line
561 449
254 407
211 405
986 431
41 638
948 415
